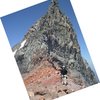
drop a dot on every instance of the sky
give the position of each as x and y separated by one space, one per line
17 24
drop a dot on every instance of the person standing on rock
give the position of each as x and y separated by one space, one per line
64 75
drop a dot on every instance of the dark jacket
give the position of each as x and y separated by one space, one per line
63 71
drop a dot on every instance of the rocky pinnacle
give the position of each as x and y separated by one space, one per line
53 38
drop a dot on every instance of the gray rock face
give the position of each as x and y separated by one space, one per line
53 37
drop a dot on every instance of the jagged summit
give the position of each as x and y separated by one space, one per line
54 2
54 7
52 41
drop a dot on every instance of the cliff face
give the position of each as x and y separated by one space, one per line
49 44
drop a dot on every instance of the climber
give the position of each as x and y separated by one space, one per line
64 75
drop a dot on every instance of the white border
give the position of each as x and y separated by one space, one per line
11 84
10 6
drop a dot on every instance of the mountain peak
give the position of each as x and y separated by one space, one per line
50 44
54 6
55 2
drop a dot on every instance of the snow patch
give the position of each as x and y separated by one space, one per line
14 52
22 44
